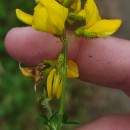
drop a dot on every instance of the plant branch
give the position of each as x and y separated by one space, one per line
64 84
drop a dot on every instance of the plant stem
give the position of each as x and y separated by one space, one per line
64 85
71 38
48 106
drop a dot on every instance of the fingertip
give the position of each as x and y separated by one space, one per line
9 41
14 45
109 122
30 46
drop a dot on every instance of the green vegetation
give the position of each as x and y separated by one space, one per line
17 105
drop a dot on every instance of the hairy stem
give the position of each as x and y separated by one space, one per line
64 85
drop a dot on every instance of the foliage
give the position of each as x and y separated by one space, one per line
16 94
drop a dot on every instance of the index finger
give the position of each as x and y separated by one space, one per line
104 61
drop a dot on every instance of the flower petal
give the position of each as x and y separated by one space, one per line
50 16
49 82
72 70
103 28
76 6
24 17
59 91
82 13
92 13
40 20
56 83
27 71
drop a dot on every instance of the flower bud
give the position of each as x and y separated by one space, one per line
53 84
49 16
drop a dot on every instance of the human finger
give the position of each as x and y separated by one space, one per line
111 122
104 61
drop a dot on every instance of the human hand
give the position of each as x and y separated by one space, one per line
104 61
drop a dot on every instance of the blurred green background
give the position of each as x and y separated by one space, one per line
17 98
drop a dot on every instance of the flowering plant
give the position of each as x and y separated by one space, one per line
51 16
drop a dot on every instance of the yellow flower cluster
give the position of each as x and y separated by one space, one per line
95 26
50 16
54 79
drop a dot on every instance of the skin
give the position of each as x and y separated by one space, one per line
103 61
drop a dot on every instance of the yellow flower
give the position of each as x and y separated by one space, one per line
31 72
49 16
103 28
54 79
92 14
82 13
76 6
72 70
95 26
75 12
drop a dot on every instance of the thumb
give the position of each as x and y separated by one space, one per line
111 122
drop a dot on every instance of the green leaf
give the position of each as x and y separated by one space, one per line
53 120
54 116
65 118
43 118
72 122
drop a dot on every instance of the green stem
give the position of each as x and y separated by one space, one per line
71 38
64 85
49 107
